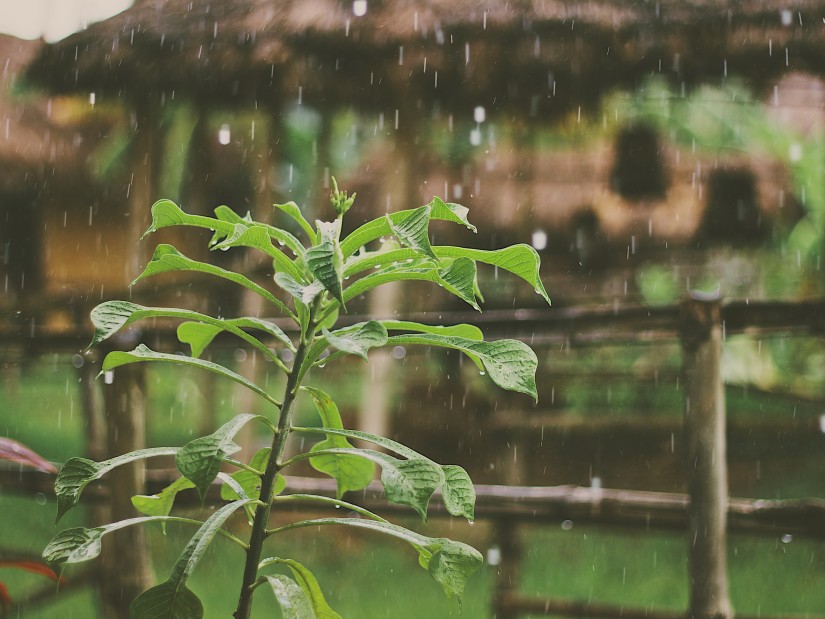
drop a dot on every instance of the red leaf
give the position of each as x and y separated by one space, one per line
17 452
5 598
31 566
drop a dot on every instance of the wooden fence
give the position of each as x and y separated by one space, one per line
705 514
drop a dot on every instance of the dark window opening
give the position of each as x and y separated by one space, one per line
732 212
639 171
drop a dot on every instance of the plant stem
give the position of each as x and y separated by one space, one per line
273 466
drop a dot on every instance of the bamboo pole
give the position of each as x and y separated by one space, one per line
701 334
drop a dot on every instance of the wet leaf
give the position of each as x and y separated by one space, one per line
357 339
161 504
78 472
458 492
200 460
309 585
291 598
413 230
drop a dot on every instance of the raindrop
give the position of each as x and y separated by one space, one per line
77 361
240 355
539 240
399 352
493 555
479 114
108 377
359 8
40 498
786 539
224 134
91 99
475 137
566 525
287 355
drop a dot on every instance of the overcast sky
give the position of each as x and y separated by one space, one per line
54 19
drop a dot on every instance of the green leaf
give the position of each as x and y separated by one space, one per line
199 335
351 472
257 237
294 211
161 504
309 584
167 601
200 460
406 482
250 482
166 213
521 260
172 599
80 544
325 260
111 316
413 230
304 294
450 563
458 492
291 598
78 472
224 213
167 259
143 353
457 277
379 227
469 332
511 364
357 339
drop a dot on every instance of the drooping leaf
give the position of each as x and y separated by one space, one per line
224 213
199 335
160 504
406 482
413 230
167 601
172 599
357 339
291 598
167 259
521 260
304 293
81 544
12 451
325 260
200 460
351 472
309 585
458 492
78 472
379 227
166 213
449 562
111 316
510 363
143 353
294 211
459 277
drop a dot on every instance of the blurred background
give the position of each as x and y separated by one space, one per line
643 149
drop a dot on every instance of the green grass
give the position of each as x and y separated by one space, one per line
365 576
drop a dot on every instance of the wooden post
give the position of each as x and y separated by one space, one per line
509 557
125 564
701 334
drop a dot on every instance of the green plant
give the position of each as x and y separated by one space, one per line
317 280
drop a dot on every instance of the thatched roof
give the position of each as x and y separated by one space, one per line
530 57
33 148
